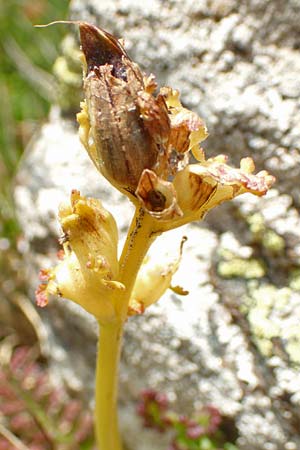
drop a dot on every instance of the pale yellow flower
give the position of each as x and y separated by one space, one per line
88 272
154 278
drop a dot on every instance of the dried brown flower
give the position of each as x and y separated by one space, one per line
142 142
123 147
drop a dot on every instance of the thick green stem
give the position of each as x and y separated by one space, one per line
140 237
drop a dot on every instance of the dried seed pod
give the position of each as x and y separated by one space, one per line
123 146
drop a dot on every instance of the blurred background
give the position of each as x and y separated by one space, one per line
236 62
26 88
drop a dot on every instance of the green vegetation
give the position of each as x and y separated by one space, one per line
27 86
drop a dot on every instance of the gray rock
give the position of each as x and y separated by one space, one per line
234 341
232 61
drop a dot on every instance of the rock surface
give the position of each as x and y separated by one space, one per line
234 341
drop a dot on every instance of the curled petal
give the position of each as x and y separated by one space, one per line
243 177
201 187
154 112
187 128
193 192
154 278
172 97
157 196
150 83
90 230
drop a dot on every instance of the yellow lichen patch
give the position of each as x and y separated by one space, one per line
239 267
272 320
268 238
273 242
294 279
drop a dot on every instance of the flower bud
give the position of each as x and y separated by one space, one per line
154 278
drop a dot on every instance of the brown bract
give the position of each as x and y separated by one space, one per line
123 147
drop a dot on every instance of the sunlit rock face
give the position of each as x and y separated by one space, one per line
234 341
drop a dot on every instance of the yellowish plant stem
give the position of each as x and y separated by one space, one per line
140 237
106 417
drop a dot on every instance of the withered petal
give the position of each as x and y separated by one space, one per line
171 96
154 112
201 187
100 48
150 83
256 184
187 128
158 197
